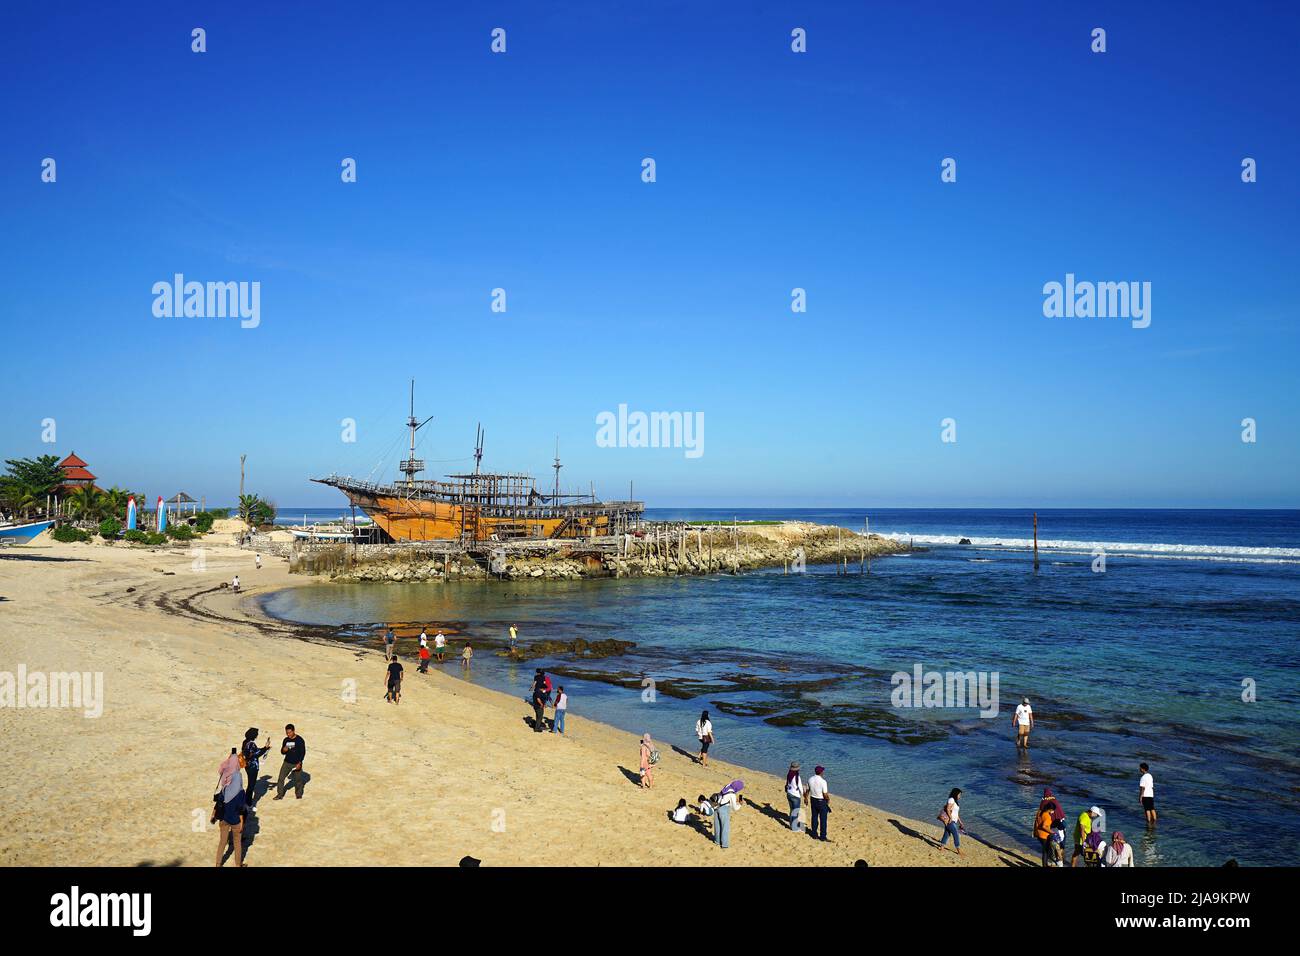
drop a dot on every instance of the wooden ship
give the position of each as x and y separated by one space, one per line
482 506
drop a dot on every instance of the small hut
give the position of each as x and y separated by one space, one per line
176 504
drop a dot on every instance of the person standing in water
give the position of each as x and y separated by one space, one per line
1147 792
1118 853
704 731
467 656
440 646
514 640
1023 721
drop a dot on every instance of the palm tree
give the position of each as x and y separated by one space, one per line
85 502
113 503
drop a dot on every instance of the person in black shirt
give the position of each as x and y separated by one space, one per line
394 681
253 755
539 701
294 749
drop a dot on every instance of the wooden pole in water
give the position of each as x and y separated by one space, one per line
1035 540
866 525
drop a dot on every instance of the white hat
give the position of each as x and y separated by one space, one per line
1094 811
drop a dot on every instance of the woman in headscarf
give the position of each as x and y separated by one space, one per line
1118 853
230 808
647 766
1053 850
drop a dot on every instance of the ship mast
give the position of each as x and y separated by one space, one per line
412 465
557 466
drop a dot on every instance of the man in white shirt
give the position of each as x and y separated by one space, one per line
1023 721
439 645
424 638
820 796
1147 791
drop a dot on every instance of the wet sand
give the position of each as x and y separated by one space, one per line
454 770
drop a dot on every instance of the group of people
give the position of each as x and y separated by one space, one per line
234 800
394 671
1089 842
540 696
1089 838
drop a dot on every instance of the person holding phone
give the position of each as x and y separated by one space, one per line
253 755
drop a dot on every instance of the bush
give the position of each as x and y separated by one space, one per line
67 534
136 536
203 522
109 529
218 514
154 538
180 532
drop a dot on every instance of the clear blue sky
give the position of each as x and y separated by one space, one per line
775 170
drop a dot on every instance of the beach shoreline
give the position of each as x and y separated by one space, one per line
452 771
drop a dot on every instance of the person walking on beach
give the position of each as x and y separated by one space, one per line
228 809
1118 853
1147 791
820 796
394 681
467 656
561 708
950 817
424 658
253 755
704 731
514 640
649 757
440 646
795 792
1023 721
294 749
390 643
257 561
537 697
234 585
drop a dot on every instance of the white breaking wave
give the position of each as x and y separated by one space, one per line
1201 552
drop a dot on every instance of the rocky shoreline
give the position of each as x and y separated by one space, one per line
718 550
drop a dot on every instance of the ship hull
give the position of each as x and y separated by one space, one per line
418 519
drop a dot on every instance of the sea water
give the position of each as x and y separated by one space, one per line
1180 653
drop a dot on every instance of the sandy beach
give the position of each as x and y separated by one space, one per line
453 770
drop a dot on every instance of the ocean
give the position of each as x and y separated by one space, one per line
1180 653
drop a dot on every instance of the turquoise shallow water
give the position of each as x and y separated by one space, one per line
1143 662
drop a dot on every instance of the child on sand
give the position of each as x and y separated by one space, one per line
424 658
681 813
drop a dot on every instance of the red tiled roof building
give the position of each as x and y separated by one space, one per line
75 475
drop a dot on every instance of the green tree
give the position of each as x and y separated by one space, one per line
113 502
85 502
27 481
255 510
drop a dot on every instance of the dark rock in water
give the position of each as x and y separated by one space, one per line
964 541
610 647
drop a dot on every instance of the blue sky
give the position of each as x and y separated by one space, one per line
775 170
